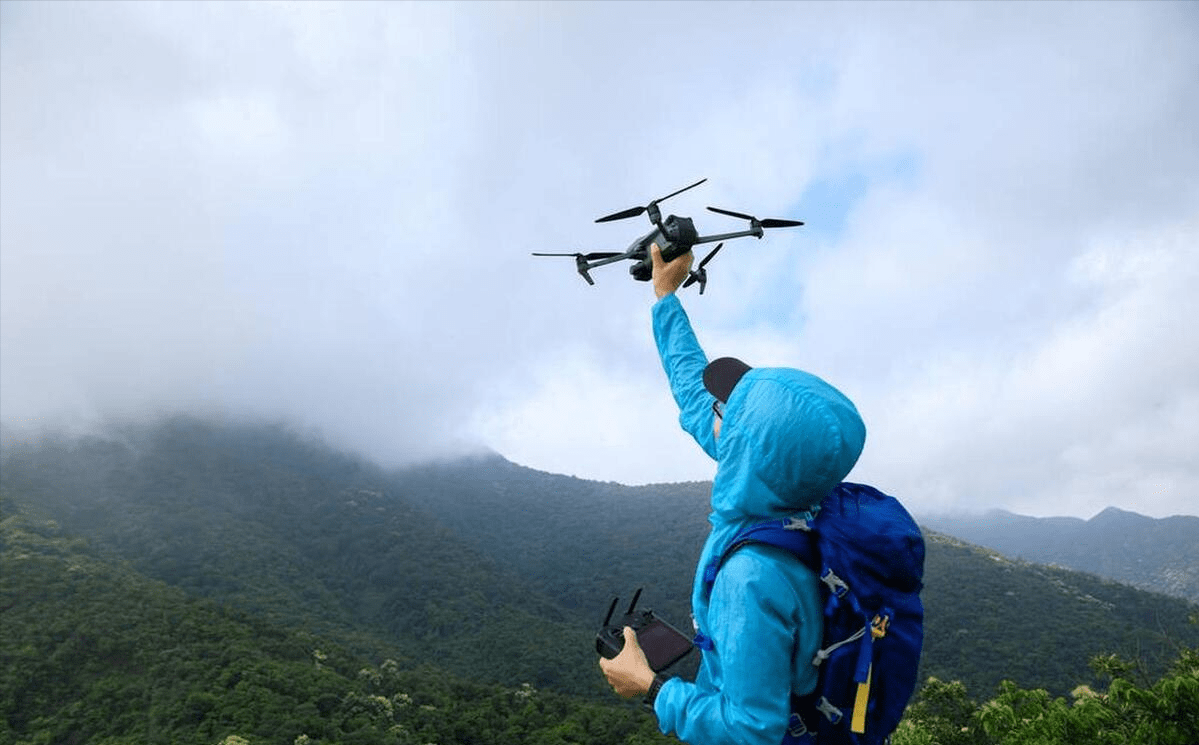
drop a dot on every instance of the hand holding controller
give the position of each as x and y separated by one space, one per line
662 643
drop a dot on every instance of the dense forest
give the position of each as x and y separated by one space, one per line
193 582
93 652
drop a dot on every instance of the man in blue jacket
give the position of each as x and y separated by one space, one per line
782 439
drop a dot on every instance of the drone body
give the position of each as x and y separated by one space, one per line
674 236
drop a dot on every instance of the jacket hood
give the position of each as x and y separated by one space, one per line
786 440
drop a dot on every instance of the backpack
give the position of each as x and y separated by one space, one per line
869 554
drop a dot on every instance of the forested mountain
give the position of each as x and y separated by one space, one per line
987 618
303 536
94 652
1159 555
499 573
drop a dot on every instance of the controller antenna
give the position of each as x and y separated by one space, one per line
611 608
632 605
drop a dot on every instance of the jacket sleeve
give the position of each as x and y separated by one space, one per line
754 612
684 362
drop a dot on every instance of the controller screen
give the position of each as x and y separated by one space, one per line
661 642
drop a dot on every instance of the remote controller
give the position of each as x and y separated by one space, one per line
662 643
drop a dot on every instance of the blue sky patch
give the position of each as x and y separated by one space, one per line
825 205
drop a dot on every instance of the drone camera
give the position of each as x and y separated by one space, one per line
681 232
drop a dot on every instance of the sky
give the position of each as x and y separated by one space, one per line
323 214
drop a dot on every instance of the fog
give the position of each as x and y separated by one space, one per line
323 214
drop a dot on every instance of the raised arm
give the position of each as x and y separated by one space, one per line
682 357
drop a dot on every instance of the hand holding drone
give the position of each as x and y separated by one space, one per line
674 235
669 277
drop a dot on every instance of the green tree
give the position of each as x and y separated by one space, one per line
942 715
1165 712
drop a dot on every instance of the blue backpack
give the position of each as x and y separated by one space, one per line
869 554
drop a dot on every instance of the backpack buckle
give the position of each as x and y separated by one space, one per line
830 712
797 523
879 626
796 726
836 585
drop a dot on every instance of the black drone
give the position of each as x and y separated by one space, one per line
675 236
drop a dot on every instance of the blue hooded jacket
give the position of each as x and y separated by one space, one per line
786 440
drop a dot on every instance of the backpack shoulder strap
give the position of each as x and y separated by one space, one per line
795 535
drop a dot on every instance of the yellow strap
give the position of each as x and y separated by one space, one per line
859 705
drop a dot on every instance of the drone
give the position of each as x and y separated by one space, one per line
674 235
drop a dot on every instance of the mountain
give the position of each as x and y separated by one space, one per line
988 618
303 536
499 573
1158 555
93 651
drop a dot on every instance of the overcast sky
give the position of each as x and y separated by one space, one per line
324 214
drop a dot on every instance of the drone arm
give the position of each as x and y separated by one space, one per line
608 260
584 266
726 236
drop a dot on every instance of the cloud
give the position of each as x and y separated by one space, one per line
324 213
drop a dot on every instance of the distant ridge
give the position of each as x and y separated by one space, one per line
1156 554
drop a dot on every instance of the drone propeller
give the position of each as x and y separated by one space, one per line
581 260
651 207
586 257
699 274
769 222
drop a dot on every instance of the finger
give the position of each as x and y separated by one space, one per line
630 637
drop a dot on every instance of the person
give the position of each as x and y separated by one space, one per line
782 439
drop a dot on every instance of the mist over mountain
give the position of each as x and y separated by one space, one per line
1159 555
500 573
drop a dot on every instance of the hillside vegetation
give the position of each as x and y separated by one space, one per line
189 582
988 618
93 652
